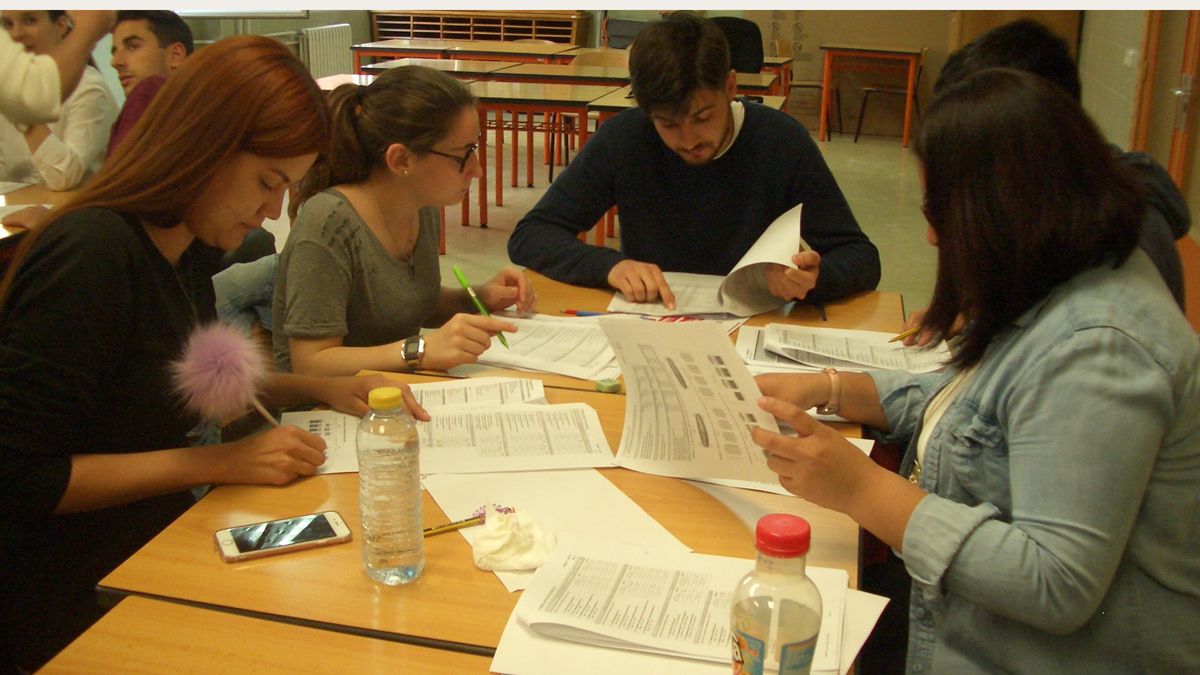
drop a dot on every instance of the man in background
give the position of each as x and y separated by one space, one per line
148 45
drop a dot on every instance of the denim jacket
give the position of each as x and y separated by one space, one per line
1061 532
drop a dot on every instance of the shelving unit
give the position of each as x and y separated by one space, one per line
564 27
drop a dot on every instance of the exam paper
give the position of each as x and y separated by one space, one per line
736 293
857 349
751 346
523 652
572 504
613 595
479 390
567 347
690 404
520 437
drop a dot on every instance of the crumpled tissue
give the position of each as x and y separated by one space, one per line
510 542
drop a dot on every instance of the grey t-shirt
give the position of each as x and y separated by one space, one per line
336 279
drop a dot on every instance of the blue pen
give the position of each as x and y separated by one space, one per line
462 279
581 312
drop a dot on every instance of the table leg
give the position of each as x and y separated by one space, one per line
826 84
483 190
499 157
908 100
529 148
516 122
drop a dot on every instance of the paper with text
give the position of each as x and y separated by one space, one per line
738 292
567 347
479 391
852 349
518 437
614 595
572 503
690 404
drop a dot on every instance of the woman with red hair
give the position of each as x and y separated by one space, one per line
94 454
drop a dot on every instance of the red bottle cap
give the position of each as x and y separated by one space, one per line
782 535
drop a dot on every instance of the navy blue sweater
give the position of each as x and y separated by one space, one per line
694 219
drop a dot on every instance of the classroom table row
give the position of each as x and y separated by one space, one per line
453 605
777 69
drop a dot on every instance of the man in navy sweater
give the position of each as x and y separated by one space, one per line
697 177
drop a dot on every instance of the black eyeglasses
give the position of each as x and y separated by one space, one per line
462 161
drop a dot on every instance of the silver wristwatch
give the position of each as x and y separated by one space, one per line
413 352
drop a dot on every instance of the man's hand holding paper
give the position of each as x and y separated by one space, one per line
791 283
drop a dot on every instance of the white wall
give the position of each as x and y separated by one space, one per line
1109 53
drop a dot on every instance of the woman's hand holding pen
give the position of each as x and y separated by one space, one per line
794 284
641 282
508 287
461 340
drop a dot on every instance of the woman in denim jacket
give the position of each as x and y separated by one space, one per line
1048 505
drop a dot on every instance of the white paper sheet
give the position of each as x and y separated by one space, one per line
857 349
609 594
690 403
524 652
518 437
751 346
571 505
479 391
734 293
567 347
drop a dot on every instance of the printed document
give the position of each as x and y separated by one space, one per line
479 391
567 504
519 437
614 595
738 293
851 349
568 347
690 404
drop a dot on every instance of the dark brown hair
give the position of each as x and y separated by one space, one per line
1023 194
671 59
413 105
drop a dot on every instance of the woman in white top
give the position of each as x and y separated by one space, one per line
60 154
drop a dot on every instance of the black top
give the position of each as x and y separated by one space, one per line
699 219
95 315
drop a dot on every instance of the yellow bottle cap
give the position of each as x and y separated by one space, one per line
385 398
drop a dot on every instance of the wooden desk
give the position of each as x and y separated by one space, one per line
331 82
904 57
36 194
463 69
781 66
143 635
504 50
756 84
400 48
521 97
620 100
452 604
564 74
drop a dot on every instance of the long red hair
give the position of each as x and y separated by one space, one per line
245 93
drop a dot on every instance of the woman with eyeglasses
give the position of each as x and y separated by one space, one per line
1048 505
359 275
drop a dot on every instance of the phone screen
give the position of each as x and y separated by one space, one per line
277 533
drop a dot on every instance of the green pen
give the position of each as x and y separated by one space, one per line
462 279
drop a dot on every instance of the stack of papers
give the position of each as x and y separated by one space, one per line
851 349
487 427
561 345
647 605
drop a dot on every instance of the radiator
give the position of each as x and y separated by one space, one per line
326 50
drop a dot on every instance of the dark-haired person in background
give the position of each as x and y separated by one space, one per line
147 46
1028 45
1050 518
698 176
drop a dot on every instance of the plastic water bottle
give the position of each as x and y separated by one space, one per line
389 490
775 612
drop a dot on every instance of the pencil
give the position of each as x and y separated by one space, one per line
483 311
456 525
908 333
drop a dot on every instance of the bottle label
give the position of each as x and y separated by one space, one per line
749 655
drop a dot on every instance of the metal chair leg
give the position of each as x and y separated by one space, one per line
861 109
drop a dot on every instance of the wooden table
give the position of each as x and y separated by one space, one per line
452 604
781 66
505 50
144 635
903 58
522 97
554 73
756 84
622 100
400 48
331 82
463 69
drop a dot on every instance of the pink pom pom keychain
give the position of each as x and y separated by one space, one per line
220 372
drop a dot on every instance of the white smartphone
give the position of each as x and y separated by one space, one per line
280 536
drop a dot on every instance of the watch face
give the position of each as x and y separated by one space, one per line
414 348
